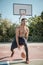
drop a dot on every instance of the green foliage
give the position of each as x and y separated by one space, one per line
36 29
7 30
35 24
42 15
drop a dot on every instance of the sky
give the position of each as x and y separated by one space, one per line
6 8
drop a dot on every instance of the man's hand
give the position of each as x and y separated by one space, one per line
19 47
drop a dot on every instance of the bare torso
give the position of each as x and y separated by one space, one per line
23 31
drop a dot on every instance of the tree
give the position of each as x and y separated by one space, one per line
36 29
42 15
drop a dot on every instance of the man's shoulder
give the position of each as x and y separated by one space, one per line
18 27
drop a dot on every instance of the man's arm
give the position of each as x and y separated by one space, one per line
27 33
17 34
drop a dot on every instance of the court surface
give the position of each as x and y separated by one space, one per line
35 54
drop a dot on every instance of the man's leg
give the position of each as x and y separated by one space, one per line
13 46
26 50
12 50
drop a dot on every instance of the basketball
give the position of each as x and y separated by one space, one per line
23 55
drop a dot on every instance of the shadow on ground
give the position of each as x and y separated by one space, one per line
4 57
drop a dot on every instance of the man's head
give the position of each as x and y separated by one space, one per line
23 21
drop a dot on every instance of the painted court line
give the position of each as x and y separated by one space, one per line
6 63
35 59
4 51
10 62
9 44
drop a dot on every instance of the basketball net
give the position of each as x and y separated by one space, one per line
22 15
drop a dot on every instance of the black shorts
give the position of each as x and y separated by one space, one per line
21 41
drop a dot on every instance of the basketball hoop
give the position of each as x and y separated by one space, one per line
22 16
22 10
22 13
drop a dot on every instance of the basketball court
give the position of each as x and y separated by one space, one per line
35 54
35 49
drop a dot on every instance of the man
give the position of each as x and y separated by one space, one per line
21 38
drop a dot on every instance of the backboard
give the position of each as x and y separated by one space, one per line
22 9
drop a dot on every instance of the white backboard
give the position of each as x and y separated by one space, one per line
22 9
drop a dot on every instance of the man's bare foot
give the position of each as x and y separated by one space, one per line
27 61
12 54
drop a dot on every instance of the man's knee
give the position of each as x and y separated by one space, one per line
26 47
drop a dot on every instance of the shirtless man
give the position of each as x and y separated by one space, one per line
21 38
